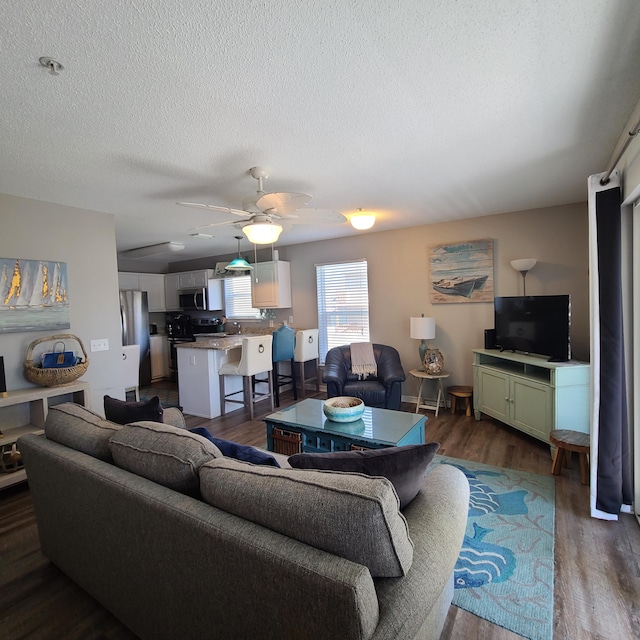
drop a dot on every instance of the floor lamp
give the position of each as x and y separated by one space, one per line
524 265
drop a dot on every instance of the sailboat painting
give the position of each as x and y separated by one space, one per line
462 272
34 295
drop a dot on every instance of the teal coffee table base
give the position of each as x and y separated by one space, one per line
304 427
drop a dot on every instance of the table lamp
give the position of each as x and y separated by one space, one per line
424 329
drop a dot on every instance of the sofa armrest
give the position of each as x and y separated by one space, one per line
174 417
437 519
335 372
390 367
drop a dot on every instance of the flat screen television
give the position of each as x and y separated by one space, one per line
538 325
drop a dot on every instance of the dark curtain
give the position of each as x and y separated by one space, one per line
614 486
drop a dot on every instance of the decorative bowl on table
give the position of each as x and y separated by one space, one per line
343 409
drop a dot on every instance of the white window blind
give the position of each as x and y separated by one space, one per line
343 304
237 299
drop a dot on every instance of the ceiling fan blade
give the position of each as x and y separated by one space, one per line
220 224
213 207
318 216
283 203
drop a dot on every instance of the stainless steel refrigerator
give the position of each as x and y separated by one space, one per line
134 313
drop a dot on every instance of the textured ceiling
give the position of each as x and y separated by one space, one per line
422 110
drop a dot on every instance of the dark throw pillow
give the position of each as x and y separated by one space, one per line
123 412
404 466
240 452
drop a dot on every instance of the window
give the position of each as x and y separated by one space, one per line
343 304
237 299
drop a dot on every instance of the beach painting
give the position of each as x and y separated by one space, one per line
461 272
34 295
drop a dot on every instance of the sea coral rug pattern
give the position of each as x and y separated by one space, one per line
505 570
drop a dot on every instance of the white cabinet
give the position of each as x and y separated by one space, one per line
271 285
25 411
530 393
171 295
128 281
152 283
159 358
194 279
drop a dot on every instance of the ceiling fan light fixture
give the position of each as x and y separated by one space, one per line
239 263
362 220
262 232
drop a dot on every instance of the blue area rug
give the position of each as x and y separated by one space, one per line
505 570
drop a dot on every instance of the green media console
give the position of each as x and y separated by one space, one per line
530 393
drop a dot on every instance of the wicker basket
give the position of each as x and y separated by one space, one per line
53 377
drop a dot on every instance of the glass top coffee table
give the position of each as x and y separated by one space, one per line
304 427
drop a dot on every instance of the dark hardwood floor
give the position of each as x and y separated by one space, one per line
597 564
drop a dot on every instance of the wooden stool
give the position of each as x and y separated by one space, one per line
460 392
565 442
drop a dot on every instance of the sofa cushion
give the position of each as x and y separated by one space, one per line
350 515
124 412
404 466
238 451
78 428
167 455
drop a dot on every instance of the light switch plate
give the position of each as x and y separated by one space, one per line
100 345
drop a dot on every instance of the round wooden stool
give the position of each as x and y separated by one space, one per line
461 392
565 442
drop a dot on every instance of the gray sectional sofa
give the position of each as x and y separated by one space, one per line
177 540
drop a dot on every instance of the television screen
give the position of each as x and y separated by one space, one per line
538 325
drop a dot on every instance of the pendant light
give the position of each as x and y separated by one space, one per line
239 263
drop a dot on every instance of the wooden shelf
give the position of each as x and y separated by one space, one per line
24 411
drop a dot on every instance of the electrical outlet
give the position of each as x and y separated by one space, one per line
290 319
100 345
193 361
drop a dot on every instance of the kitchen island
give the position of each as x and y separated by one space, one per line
198 380
198 383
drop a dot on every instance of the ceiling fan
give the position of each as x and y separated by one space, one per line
264 213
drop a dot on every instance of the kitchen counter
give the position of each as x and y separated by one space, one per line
218 343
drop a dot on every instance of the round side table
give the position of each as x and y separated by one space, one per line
422 376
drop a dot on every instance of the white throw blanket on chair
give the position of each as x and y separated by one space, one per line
363 362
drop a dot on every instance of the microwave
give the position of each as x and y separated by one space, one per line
208 298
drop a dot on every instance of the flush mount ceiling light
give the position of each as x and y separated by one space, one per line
239 263
262 230
153 250
362 219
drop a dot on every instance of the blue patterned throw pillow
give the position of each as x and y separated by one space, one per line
240 452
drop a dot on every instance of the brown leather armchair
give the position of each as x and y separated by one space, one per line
383 391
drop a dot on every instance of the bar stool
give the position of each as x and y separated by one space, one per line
305 351
255 357
284 339
131 374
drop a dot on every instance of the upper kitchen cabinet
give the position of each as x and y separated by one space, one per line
271 285
194 279
152 283
171 291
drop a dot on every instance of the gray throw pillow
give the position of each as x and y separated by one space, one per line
125 412
76 427
350 515
404 466
167 455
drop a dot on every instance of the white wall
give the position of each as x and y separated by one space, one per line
85 240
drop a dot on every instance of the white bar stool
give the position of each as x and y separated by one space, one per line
255 357
306 349
131 375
